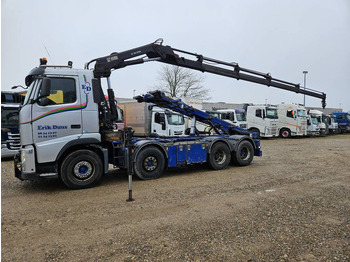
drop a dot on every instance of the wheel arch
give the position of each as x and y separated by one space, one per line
139 146
217 140
84 143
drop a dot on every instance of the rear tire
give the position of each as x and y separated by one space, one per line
244 154
81 169
219 157
150 163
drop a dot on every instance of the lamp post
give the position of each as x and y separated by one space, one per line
304 72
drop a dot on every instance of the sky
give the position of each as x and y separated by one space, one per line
283 38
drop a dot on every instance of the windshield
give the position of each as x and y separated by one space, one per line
314 120
30 90
301 113
348 117
9 117
241 116
271 113
175 119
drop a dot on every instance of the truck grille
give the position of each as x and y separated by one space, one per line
13 141
178 133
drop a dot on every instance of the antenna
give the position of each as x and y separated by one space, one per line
47 51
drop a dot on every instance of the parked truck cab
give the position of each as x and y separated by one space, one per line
148 120
321 121
343 120
10 140
262 120
292 120
312 126
234 116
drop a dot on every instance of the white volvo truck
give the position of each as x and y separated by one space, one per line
263 120
292 120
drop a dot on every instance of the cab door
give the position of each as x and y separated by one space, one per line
56 119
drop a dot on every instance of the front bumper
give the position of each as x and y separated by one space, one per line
27 170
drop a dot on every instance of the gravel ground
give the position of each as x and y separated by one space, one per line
292 204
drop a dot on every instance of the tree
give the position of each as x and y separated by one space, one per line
180 82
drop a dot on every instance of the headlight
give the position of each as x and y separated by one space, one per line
23 157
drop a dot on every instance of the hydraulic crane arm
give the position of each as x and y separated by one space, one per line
166 54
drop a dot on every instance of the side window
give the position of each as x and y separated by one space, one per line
290 113
258 113
340 116
159 118
226 116
63 91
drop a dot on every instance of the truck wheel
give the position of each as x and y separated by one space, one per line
150 163
219 157
244 154
285 133
81 169
255 130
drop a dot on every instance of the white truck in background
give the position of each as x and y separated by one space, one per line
292 120
148 120
321 120
234 116
263 120
312 126
333 126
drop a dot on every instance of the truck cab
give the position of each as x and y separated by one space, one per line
343 120
333 126
321 121
149 120
292 120
234 116
58 113
312 126
10 139
167 123
263 120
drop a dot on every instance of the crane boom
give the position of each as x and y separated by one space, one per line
156 51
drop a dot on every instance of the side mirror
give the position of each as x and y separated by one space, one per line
45 90
45 87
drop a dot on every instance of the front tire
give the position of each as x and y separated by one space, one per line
150 163
81 169
244 154
285 133
219 157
